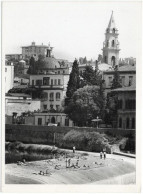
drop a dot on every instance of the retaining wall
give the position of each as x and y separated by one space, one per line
50 135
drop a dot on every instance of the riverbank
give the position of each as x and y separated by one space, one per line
92 170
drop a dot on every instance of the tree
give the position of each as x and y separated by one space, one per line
85 105
74 81
84 60
91 77
32 66
116 79
111 109
111 114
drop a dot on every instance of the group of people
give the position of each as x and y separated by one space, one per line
103 154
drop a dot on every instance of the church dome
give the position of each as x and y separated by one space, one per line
48 63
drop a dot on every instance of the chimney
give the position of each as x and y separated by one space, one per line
33 43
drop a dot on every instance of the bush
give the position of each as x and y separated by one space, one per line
89 141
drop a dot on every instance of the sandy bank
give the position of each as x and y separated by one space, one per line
92 170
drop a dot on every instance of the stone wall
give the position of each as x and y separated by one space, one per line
49 135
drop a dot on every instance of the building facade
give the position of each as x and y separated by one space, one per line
60 119
9 76
127 76
111 44
13 57
35 50
52 78
19 103
126 107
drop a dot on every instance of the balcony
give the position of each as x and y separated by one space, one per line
49 86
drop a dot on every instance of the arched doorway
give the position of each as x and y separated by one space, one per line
120 122
113 60
53 120
105 59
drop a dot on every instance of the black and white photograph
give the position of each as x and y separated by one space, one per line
70 114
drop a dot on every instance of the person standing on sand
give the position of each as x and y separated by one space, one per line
69 162
66 162
104 155
73 149
101 153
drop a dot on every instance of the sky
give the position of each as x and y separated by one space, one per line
74 29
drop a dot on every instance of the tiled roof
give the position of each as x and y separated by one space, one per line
127 68
19 95
123 89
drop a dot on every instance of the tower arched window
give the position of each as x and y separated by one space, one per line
113 60
120 122
113 43
114 30
127 123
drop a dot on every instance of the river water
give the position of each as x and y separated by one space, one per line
14 156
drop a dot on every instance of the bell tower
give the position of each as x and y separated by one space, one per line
111 44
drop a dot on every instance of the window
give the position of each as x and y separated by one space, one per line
39 121
130 80
57 107
130 104
45 106
59 82
110 81
53 120
113 30
127 123
32 82
5 69
63 71
55 82
133 123
120 122
39 82
123 80
46 81
52 82
113 43
51 96
44 95
51 106
57 96
107 43
66 122
58 72
120 103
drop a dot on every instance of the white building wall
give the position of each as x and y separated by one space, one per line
55 88
47 118
126 76
20 106
9 77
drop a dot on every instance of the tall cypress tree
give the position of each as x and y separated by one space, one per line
74 81
32 64
116 79
90 76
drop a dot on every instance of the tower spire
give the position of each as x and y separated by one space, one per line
111 44
111 24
